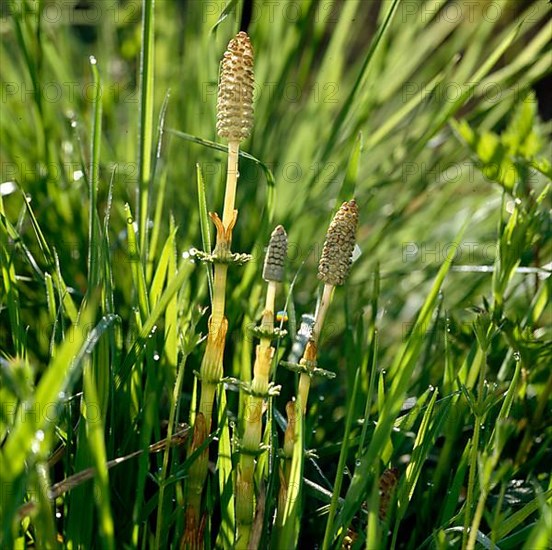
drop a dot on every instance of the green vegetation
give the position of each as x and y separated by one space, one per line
436 430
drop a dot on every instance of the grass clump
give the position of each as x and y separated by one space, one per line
144 399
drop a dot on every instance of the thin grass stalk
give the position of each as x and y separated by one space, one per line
93 229
340 467
479 416
170 428
145 135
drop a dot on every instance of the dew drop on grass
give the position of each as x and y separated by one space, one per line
517 356
93 60
67 147
357 462
38 439
156 356
431 388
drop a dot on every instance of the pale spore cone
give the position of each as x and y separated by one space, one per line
235 91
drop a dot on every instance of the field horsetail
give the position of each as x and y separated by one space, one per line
234 122
165 385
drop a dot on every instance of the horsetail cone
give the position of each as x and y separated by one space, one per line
273 269
337 254
235 91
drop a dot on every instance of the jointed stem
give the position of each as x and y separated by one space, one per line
327 295
231 184
312 346
219 296
245 497
211 366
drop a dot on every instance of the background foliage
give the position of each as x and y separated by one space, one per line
429 113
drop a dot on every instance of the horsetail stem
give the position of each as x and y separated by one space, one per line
235 110
234 122
192 538
273 273
333 269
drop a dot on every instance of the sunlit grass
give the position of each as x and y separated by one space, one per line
440 339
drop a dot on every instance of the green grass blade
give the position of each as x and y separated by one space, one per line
292 510
58 379
341 466
403 367
96 440
349 101
349 181
161 273
145 143
138 275
160 192
271 182
204 224
225 476
508 524
93 223
11 292
137 347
